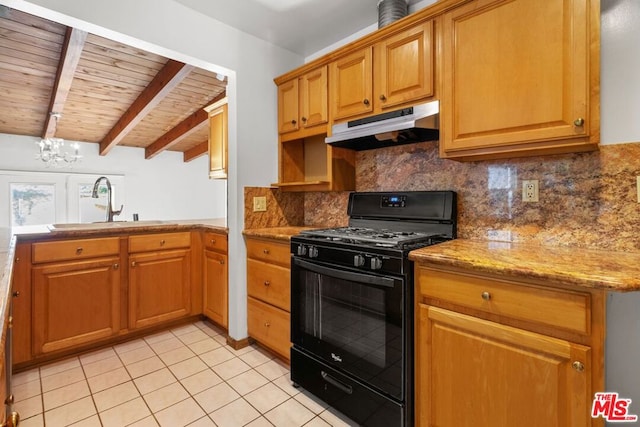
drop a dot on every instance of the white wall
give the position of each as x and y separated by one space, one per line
155 188
175 31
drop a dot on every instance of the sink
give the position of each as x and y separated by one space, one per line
101 225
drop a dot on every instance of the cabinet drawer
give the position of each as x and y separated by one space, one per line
557 308
74 249
215 241
160 241
269 326
269 283
268 251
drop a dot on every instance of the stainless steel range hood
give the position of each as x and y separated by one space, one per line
405 126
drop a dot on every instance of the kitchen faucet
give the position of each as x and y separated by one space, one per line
110 212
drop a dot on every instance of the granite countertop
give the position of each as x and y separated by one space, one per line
568 266
102 228
277 233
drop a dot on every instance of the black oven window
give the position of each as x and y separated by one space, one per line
356 326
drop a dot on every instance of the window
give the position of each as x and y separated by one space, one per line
33 198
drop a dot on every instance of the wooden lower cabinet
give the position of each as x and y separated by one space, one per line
215 287
75 303
268 288
159 287
269 325
480 373
480 363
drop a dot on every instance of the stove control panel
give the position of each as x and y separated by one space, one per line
393 201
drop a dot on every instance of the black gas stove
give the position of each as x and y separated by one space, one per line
352 303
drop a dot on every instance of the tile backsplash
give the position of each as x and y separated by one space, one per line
587 200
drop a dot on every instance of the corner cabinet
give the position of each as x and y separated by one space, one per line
159 278
268 290
517 353
527 86
218 138
215 277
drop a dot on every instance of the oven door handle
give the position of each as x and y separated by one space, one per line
369 279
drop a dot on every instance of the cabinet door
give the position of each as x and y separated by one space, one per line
351 84
472 372
75 303
159 287
218 119
404 67
269 326
313 98
517 72
288 97
21 300
215 287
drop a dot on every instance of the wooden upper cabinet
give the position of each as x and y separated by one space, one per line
404 67
351 84
522 78
288 96
302 104
395 72
218 139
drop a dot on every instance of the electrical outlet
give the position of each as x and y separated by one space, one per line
530 190
259 204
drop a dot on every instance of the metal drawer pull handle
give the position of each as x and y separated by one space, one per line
133 263
578 366
79 251
213 241
16 294
486 296
221 261
579 121
383 98
365 101
338 384
265 251
116 266
267 283
267 324
162 242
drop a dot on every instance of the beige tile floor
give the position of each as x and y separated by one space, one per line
187 376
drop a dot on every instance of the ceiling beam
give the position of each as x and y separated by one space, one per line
162 84
182 130
72 46
195 152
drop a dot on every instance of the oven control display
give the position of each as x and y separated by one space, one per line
394 201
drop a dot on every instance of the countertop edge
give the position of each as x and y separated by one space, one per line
276 233
570 267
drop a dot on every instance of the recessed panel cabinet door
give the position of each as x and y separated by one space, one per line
404 67
159 287
518 73
218 142
476 373
288 97
351 84
75 303
313 97
215 287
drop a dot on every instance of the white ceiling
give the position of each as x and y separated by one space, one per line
302 26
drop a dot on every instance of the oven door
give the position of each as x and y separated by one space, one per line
351 320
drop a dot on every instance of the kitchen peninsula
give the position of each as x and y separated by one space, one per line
105 302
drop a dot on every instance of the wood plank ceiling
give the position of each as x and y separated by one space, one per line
105 92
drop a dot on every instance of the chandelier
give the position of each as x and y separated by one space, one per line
53 151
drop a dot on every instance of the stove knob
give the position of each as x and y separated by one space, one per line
358 260
313 252
302 250
376 263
